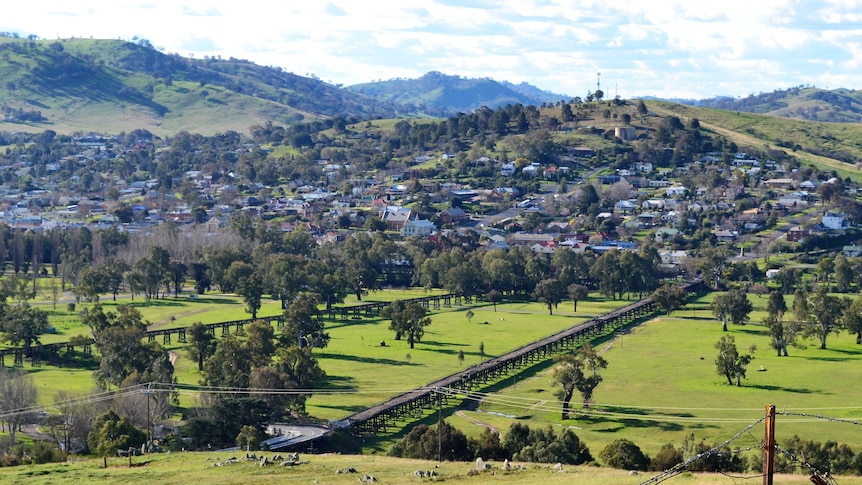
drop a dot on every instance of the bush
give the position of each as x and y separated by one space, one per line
722 461
249 438
625 455
488 446
422 443
667 458
544 446
70 307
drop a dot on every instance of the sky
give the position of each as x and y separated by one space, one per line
667 48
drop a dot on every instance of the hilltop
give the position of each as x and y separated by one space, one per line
439 93
803 103
112 85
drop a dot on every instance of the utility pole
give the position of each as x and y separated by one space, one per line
769 445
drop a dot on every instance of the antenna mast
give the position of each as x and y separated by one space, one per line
598 81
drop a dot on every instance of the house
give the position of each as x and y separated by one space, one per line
609 179
508 169
583 152
782 183
625 207
653 204
851 251
673 257
835 221
663 234
647 219
643 167
724 235
797 234
395 217
452 215
544 247
675 191
531 170
418 227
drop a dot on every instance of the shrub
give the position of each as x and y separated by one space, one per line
722 461
625 455
544 446
422 443
667 458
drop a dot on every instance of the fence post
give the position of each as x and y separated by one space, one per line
769 445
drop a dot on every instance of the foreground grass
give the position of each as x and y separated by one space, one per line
184 468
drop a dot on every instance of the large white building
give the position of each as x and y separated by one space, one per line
418 227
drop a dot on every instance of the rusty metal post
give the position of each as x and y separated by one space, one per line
769 445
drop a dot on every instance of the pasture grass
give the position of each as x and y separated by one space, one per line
660 386
360 371
182 468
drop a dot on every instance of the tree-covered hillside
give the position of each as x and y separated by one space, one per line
438 93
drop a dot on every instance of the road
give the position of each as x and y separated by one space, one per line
290 435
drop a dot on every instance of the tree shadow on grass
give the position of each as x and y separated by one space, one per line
615 425
624 425
831 359
340 383
332 324
364 360
442 344
349 409
783 389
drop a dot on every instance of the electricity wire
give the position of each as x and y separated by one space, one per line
677 469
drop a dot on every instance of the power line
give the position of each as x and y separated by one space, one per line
819 417
676 470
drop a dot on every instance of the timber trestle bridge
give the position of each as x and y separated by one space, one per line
50 353
413 404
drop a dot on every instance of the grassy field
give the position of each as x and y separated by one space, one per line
361 371
183 468
679 393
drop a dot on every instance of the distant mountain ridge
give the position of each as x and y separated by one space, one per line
804 103
438 93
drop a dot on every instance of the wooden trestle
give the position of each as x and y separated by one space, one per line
413 404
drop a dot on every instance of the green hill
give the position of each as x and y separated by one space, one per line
839 105
112 85
833 146
438 93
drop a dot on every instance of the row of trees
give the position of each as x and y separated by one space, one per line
521 443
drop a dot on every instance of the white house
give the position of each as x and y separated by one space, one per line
835 221
508 169
625 207
675 191
418 227
531 169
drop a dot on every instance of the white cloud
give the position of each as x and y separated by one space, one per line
731 47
